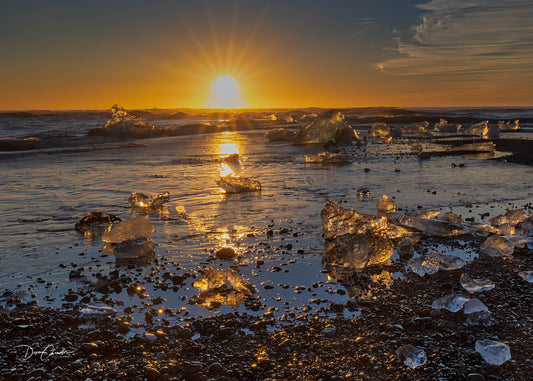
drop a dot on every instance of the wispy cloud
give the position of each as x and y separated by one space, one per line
478 38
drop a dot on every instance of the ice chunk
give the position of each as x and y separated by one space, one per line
132 252
452 302
385 204
474 305
378 130
443 126
516 216
141 200
474 147
431 263
493 352
527 226
527 276
124 125
484 318
496 246
131 229
432 227
96 221
330 125
90 310
338 221
411 356
476 284
326 158
280 135
222 286
235 184
356 240
452 217
499 220
509 125
479 129
519 241
481 229
419 129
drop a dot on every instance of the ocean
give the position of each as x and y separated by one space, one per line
48 185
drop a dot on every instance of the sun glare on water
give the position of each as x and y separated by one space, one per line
225 93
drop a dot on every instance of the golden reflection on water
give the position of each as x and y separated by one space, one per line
224 144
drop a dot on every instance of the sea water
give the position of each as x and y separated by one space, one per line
44 192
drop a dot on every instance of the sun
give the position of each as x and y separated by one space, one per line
225 93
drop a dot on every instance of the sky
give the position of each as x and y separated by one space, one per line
282 53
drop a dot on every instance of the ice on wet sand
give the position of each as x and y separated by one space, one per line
326 158
493 352
527 275
411 356
474 305
431 263
385 204
132 229
94 221
141 200
234 184
222 286
496 246
476 284
452 302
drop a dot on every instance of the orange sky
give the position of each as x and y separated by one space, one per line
67 55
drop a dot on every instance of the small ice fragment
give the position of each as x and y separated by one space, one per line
89 310
527 276
493 352
496 246
507 125
326 158
516 216
140 200
431 263
452 302
132 229
411 356
484 318
480 129
474 305
424 264
385 204
378 130
450 262
234 184
452 217
476 284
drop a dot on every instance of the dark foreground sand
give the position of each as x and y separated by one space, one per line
309 347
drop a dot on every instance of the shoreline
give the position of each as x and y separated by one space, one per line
311 345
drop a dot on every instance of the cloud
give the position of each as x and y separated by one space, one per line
479 38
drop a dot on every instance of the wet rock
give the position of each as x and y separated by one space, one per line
280 135
493 352
96 220
475 377
234 184
37 374
329 125
476 284
89 348
411 356
452 302
496 246
225 253
151 374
